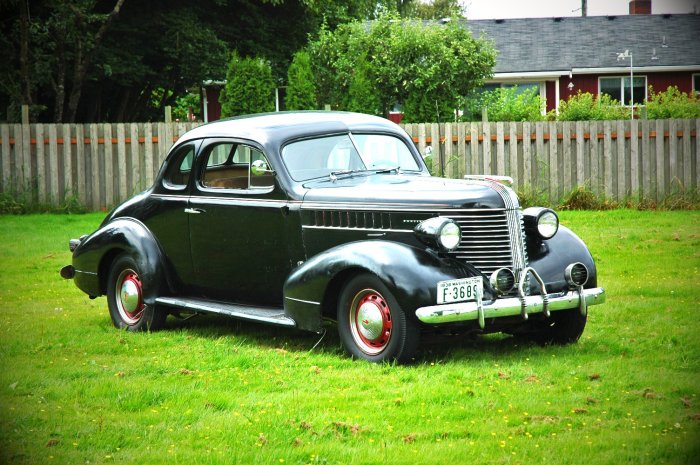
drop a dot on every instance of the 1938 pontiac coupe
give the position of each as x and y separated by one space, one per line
292 218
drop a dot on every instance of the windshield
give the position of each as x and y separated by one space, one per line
346 153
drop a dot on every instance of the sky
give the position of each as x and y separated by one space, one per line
500 9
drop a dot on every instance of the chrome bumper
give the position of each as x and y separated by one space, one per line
469 311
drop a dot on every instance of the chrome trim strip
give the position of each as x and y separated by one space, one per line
469 311
311 302
88 273
425 208
348 228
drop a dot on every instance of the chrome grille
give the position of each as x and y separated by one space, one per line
485 240
491 239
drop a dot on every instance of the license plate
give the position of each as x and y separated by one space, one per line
460 290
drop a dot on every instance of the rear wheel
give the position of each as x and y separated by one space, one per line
562 327
372 325
125 298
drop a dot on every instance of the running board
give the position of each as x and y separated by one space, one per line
270 315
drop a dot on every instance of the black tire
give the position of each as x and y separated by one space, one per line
125 298
371 324
562 327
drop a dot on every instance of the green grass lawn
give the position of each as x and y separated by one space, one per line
212 390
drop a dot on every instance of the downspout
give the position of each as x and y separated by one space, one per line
205 105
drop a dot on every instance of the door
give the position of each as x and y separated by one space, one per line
238 226
166 216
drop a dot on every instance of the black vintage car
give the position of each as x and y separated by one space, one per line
293 218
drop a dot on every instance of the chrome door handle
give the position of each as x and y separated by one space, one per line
194 210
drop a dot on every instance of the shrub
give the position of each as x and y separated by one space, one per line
249 87
181 109
510 104
585 106
672 104
301 89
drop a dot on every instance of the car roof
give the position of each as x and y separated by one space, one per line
281 126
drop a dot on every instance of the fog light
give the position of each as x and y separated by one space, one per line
503 280
576 274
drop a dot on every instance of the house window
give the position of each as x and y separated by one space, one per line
696 83
618 88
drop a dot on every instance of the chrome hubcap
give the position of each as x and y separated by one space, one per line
130 295
370 322
130 298
369 319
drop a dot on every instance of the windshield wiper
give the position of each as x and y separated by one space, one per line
389 170
334 174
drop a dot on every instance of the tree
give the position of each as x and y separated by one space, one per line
301 90
362 94
428 68
124 60
249 87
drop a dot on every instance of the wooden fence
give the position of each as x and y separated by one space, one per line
100 165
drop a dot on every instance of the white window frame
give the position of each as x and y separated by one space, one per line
692 83
622 78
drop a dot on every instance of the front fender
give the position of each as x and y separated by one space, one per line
93 257
549 258
411 274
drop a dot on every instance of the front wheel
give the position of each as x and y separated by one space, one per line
372 325
125 298
563 327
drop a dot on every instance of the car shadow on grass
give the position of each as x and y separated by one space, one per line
434 347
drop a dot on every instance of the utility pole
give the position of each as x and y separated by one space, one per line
584 7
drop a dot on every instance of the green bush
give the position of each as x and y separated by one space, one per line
301 89
672 104
586 107
181 109
249 87
507 104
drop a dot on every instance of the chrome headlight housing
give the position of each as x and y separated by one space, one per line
439 233
540 221
503 280
576 274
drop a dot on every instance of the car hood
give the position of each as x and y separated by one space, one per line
405 191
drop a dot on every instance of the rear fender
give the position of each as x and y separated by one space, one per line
410 273
92 259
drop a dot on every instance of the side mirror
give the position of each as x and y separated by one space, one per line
428 151
259 167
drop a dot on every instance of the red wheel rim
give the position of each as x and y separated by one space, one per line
370 321
129 297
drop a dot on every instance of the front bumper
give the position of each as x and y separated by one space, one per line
469 311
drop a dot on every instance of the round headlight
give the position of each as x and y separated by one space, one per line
547 224
450 235
541 222
439 233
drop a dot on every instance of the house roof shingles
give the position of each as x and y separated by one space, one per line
562 44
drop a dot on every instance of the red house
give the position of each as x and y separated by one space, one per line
596 54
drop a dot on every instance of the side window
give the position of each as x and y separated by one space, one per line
178 173
229 167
